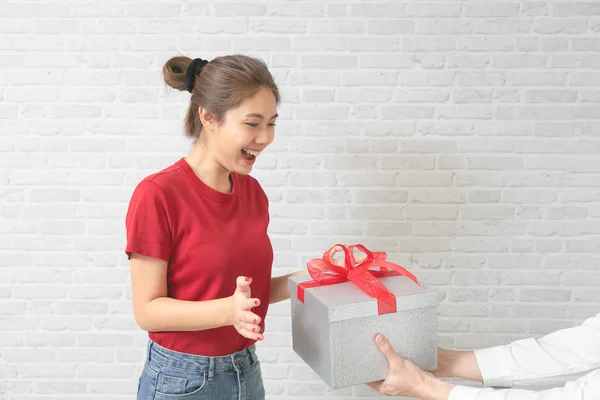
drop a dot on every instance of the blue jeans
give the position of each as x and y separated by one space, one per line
170 375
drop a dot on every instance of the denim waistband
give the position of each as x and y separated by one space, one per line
192 362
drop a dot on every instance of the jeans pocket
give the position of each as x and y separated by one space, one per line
174 383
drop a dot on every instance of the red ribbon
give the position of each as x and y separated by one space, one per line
324 272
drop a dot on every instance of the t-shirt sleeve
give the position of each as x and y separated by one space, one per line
147 222
263 196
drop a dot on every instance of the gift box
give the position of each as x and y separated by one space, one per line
338 310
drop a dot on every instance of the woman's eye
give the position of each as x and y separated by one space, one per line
272 124
251 124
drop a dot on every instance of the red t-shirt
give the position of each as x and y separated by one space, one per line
208 238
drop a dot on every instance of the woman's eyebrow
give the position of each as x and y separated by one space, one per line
255 115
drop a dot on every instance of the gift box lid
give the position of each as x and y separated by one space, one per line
345 300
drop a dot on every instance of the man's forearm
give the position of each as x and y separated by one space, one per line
458 364
434 389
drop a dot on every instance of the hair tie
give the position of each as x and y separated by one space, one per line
192 72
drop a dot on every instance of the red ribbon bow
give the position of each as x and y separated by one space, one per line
324 272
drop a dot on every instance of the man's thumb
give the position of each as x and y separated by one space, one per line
384 346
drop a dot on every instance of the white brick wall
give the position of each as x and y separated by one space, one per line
461 137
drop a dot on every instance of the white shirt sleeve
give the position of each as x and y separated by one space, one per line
564 364
548 362
584 388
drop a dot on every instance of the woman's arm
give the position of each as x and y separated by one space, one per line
154 311
279 287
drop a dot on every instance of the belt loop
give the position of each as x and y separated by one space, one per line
253 357
211 369
148 350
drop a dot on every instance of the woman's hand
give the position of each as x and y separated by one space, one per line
242 319
340 261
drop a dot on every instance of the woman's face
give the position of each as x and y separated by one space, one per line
245 131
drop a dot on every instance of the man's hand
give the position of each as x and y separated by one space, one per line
406 379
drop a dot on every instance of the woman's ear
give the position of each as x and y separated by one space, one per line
209 121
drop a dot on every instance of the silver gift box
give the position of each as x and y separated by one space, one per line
333 331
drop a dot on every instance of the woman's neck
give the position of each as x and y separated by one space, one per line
208 170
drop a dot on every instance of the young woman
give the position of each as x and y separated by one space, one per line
197 239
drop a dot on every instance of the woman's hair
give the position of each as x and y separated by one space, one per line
221 85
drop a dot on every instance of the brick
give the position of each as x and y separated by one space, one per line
431 61
502 294
388 229
554 43
564 26
372 44
330 62
480 78
468 60
390 27
431 43
337 10
316 43
531 278
352 26
207 25
497 212
427 78
378 10
550 96
504 26
374 78
540 311
483 196
584 79
494 227
568 9
528 43
499 325
296 10
508 9
544 295
365 179
468 295
548 246
585 44
306 78
407 112
427 245
520 61
484 43
478 277
464 310
545 327
585 296
391 61
250 44
536 9
321 112
424 9
443 26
